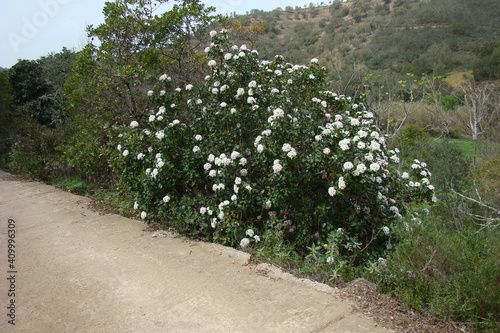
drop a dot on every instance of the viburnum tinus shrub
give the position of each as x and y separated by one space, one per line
260 148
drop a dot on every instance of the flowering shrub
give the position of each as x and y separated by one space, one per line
260 148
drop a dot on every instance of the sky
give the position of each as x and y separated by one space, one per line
30 29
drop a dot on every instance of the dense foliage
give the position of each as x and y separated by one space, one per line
264 146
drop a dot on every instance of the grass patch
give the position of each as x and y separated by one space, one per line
73 184
113 202
468 147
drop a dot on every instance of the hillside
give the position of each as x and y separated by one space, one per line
404 36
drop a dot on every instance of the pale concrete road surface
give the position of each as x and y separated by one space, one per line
74 270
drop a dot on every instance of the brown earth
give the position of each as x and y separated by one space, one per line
76 270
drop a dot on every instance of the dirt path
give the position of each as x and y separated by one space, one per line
78 271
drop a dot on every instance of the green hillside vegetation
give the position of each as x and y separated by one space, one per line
406 36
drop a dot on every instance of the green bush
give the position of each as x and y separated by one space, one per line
262 149
453 275
34 154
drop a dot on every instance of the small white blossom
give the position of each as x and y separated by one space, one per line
143 215
360 168
213 33
166 199
268 204
136 205
374 167
341 183
332 191
134 124
212 63
286 147
326 151
150 93
164 77
235 155
125 153
240 92
277 113
260 148
189 87
250 233
382 262
344 144
244 243
196 149
374 145
386 229
348 166
277 167
355 122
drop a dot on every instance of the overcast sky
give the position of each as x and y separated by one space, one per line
30 29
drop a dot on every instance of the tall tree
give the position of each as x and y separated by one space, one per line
134 46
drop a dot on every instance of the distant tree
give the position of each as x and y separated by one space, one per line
27 81
487 66
482 111
7 117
